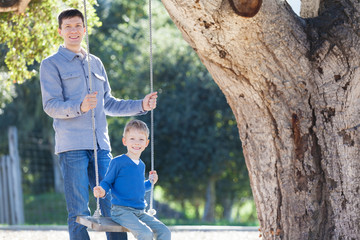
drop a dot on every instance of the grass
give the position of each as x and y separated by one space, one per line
47 208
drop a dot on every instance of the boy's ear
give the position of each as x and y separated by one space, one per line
147 142
124 141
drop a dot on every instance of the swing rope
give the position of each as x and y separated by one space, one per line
97 212
151 210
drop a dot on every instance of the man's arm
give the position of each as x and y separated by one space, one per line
53 100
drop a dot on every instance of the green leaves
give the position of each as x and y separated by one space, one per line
32 36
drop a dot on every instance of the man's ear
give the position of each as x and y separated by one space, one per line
59 31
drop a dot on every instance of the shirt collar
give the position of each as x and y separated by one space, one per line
69 55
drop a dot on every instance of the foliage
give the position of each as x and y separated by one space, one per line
46 208
25 39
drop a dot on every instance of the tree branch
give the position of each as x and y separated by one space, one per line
221 36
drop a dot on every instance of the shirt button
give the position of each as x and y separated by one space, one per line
67 115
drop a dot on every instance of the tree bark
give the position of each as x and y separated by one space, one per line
292 85
309 8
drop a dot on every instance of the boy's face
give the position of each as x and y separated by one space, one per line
72 31
136 141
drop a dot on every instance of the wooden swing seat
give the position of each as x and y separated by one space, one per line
101 224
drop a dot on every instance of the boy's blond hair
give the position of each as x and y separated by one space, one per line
136 125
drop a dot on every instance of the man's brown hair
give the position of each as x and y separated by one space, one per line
69 13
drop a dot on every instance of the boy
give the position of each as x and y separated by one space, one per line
126 179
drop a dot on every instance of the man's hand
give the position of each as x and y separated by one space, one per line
89 102
149 101
99 192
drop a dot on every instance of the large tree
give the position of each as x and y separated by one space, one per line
292 85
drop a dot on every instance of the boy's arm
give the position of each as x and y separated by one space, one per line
110 176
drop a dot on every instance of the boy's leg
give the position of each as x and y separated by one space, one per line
76 183
104 158
128 217
160 230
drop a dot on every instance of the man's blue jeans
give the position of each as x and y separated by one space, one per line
78 169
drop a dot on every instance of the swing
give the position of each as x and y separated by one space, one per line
97 222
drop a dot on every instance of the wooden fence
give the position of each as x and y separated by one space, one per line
11 196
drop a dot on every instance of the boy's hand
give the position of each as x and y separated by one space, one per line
153 177
99 192
149 101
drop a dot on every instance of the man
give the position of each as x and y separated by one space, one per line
66 97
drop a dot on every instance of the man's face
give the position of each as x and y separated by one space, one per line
72 31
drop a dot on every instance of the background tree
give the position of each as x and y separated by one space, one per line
292 86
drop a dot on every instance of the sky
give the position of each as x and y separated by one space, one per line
295 4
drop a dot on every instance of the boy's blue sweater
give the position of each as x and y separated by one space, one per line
127 182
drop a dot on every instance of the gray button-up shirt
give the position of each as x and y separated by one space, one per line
64 79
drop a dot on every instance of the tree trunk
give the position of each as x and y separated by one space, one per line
292 85
227 204
197 209
209 210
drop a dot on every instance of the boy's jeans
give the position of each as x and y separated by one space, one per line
78 169
142 225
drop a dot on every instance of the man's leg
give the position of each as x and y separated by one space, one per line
74 166
104 158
